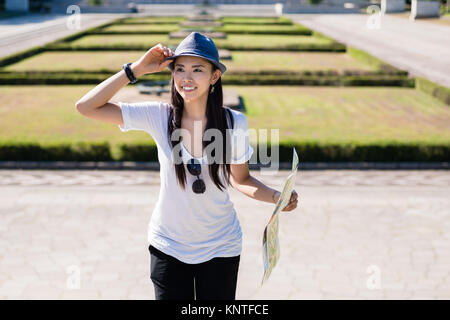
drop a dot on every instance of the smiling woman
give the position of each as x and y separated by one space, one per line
194 235
196 96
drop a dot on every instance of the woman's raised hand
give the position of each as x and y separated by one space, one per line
154 60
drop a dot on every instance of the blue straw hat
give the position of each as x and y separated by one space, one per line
198 45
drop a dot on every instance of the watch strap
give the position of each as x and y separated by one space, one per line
129 73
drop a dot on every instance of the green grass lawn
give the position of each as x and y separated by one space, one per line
293 61
47 114
359 114
241 61
248 41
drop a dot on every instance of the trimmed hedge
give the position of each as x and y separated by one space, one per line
317 79
340 80
24 78
314 47
281 72
130 22
299 31
151 20
440 92
256 20
371 60
382 152
282 21
16 57
274 23
88 31
308 151
83 151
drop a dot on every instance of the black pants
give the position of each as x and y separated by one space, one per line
175 280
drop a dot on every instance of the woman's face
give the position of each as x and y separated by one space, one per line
194 72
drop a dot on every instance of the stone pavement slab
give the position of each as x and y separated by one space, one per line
420 47
36 29
355 235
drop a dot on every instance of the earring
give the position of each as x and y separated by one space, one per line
212 89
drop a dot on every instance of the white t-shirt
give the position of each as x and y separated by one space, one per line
191 227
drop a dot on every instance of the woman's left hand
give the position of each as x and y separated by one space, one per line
292 202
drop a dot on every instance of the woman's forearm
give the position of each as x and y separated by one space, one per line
255 189
154 60
103 92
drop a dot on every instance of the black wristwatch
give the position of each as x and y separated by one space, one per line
129 73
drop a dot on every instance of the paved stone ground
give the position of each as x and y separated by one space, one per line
354 235
420 47
30 30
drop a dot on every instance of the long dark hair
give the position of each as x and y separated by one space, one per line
216 118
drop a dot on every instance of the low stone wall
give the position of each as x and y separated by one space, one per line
388 6
17 5
293 7
424 9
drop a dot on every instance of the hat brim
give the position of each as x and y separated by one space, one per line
219 65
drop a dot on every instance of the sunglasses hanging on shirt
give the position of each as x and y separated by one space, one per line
195 168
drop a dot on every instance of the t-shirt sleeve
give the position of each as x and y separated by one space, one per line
144 116
241 150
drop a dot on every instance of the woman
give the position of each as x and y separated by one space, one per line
194 234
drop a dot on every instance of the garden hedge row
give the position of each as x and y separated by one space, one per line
256 23
80 34
64 78
369 59
140 22
18 56
258 20
318 47
226 20
259 73
440 92
300 31
151 20
309 151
